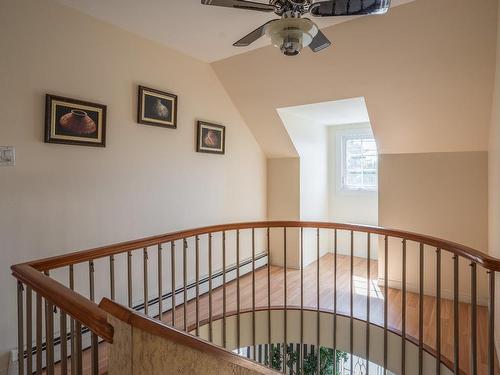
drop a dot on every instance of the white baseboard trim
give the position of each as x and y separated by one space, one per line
445 293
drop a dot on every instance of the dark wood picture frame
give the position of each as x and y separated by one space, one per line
201 146
165 100
78 114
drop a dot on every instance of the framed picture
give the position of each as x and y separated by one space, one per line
157 108
74 122
211 138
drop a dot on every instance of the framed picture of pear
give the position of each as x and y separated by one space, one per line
74 122
157 108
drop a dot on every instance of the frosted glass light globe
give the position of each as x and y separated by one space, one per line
291 34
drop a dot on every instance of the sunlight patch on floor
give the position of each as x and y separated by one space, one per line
360 287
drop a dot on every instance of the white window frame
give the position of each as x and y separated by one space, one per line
342 136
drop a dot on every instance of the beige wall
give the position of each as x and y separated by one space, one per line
440 194
146 181
494 179
427 79
283 203
283 189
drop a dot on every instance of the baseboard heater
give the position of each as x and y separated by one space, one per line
261 260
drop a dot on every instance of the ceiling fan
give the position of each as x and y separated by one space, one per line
292 32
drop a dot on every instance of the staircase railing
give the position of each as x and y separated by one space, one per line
198 278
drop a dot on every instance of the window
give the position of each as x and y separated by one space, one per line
359 162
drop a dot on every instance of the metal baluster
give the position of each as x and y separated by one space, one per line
64 342
94 353
29 331
386 297
491 325
145 284
368 295
403 313
285 323
129 278
224 338
318 325
335 242
238 333
351 303
79 361
72 325
39 328
269 293
438 312
160 283
254 329
49 335
197 249
298 367
112 276
421 313
76 338
184 281
210 325
301 356
456 317
473 320
20 327
172 268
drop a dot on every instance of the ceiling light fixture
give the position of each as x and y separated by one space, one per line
292 32
290 35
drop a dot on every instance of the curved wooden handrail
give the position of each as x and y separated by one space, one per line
469 253
95 318
161 329
74 304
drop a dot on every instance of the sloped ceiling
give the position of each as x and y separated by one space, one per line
425 70
204 32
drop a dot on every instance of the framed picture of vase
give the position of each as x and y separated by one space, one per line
211 138
74 122
157 108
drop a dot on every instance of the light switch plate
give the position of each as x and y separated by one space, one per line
7 156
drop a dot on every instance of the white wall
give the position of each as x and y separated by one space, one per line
311 142
320 197
355 207
148 180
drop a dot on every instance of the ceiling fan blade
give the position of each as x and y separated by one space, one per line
253 36
241 4
319 42
349 7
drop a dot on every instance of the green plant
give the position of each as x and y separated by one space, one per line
310 361
276 358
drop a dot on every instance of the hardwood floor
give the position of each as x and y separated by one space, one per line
343 303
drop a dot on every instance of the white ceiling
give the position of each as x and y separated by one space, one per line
339 112
204 32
